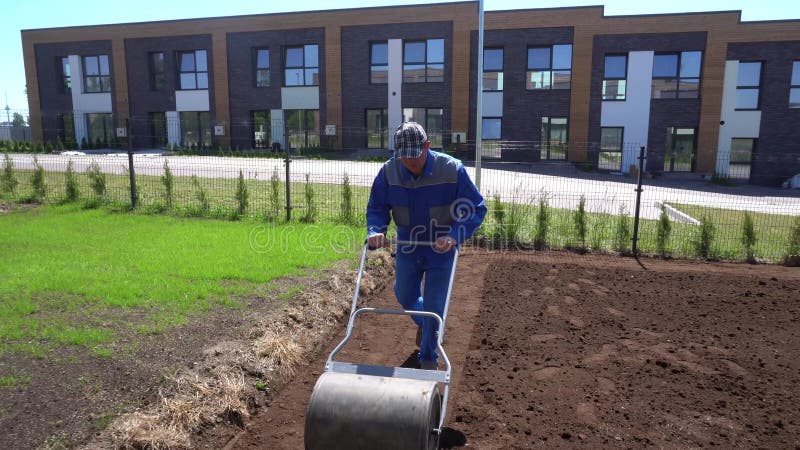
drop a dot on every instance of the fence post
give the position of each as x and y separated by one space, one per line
287 161
134 195
635 248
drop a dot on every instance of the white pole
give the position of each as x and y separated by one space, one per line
479 97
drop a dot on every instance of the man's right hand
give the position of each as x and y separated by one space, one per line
376 241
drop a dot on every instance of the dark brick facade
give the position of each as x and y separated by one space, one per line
54 100
777 153
522 109
664 113
144 100
359 95
245 97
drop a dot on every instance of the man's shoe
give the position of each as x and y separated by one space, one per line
428 365
419 336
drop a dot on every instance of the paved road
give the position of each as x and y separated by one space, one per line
561 191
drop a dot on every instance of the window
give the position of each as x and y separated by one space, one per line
676 75
66 131
615 73
65 78
431 119
549 67
741 158
196 129
748 85
261 129
262 67
100 128
303 127
491 128
379 63
377 128
423 61
794 91
301 66
554 138
679 156
610 157
96 74
158 78
158 129
194 70
493 69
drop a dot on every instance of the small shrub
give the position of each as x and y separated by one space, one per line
543 217
793 244
241 195
201 196
622 231
169 186
704 237
274 207
9 176
511 220
97 180
579 223
347 215
37 180
663 230
71 189
311 208
748 238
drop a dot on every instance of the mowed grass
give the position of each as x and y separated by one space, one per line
70 276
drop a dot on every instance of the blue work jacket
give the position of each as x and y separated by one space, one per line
443 201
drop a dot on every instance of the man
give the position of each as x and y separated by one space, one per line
431 198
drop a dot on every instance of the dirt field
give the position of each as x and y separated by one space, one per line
566 351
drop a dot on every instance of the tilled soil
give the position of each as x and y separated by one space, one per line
563 351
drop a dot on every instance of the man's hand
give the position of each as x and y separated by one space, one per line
376 241
444 244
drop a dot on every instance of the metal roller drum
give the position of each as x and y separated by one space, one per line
352 412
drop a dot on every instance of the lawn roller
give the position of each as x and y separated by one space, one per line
359 406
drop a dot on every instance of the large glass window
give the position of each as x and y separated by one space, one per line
262 76
261 129
493 69
748 85
741 158
65 80
379 63
377 128
431 119
158 78
100 127
615 74
193 70
96 74
610 157
301 66
794 91
196 129
492 128
676 75
554 138
680 149
549 67
158 129
423 61
303 127
66 131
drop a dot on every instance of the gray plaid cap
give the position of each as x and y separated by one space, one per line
409 140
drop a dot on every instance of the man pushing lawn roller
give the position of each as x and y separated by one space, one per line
435 207
431 198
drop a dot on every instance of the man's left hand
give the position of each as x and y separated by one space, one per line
444 244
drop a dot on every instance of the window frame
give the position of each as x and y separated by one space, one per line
100 76
749 164
602 150
607 78
499 73
426 124
107 119
669 153
258 69
163 139
756 88
158 81
303 67
372 64
794 85
265 143
677 75
384 131
304 130
550 69
500 121
64 78
201 132
546 142
181 72
425 61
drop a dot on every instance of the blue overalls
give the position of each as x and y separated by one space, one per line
442 201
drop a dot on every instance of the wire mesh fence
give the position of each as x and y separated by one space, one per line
536 200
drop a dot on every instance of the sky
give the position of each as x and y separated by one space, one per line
30 14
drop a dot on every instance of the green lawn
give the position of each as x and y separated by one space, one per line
70 276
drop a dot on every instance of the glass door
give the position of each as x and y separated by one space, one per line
680 150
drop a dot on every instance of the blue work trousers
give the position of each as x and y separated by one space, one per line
409 271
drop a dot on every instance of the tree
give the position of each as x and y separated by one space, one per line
18 120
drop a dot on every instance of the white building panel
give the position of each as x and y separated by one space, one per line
738 124
300 97
192 100
633 114
493 104
395 87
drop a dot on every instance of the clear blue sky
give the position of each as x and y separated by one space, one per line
19 15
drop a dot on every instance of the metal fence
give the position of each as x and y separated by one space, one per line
595 206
